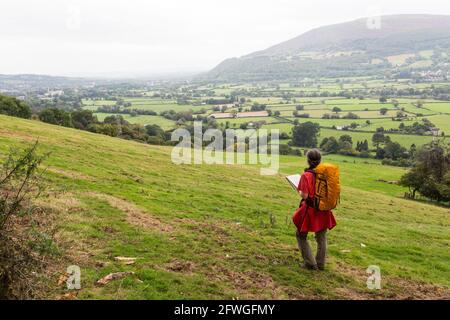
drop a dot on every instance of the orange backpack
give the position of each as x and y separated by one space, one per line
328 188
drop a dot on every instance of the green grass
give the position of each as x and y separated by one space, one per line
438 107
400 59
97 103
154 104
142 119
226 228
421 64
442 122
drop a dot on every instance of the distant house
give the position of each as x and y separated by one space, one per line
225 115
54 93
435 132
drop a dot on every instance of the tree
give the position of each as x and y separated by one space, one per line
14 107
300 107
258 107
394 151
384 111
413 179
330 145
401 114
244 126
412 151
115 119
305 134
378 138
336 110
383 99
419 103
56 116
431 173
346 138
155 130
365 146
81 119
351 115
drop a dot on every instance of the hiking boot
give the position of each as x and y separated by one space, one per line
309 266
321 267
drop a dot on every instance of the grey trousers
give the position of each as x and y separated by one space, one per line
305 249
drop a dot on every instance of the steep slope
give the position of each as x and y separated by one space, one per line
224 231
343 49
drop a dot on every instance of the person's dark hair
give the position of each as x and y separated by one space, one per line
314 157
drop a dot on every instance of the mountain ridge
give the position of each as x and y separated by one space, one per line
398 34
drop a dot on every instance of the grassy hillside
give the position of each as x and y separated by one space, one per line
225 231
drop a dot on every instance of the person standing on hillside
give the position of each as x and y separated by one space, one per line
309 219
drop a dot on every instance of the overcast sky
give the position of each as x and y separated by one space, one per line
145 37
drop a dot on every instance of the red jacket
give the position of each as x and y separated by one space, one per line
308 219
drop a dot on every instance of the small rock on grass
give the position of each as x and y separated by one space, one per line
113 276
125 260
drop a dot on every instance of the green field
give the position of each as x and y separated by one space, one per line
164 123
438 107
98 103
211 231
157 105
404 140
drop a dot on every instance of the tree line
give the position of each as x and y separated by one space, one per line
391 153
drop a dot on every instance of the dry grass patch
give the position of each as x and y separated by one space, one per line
176 265
70 174
391 287
134 215
253 284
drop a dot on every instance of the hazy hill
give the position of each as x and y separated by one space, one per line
348 48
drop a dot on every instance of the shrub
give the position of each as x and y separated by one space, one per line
24 238
14 107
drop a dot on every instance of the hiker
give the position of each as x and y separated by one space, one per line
308 218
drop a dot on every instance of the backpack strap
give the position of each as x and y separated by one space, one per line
310 200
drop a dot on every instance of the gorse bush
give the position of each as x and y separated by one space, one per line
23 242
18 181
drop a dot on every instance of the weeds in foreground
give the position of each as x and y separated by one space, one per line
25 234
